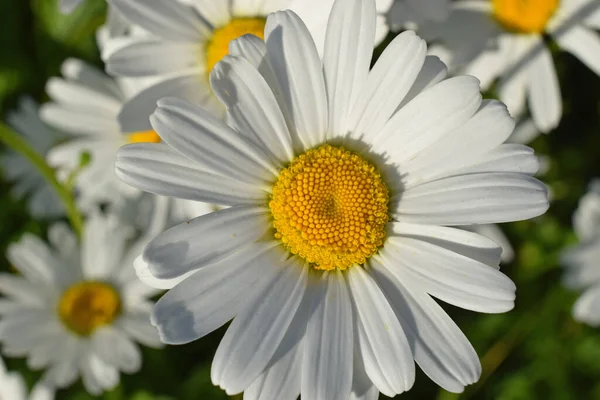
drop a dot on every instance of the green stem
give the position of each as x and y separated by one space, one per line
17 143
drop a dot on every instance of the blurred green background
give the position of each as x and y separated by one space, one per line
534 352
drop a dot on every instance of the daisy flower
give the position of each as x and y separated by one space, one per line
42 201
581 261
504 39
13 387
76 311
344 185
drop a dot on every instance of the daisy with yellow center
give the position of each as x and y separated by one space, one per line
342 185
79 310
505 42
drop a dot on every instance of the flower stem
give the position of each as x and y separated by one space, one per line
18 144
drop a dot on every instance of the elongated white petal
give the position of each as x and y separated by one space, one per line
115 348
440 348
545 101
254 335
297 67
389 81
347 57
382 343
449 276
159 169
474 199
212 296
327 361
506 158
253 106
208 141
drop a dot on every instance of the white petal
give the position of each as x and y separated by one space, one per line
584 44
79 96
436 111
78 122
494 232
545 101
586 307
208 141
432 72
465 146
388 83
204 240
474 199
217 13
159 169
362 387
292 53
101 234
347 57
89 76
506 158
213 295
383 346
115 348
449 276
253 106
170 20
137 326
32 258
329 345
20 289
254 335
97 375
151 56
190 86
440 348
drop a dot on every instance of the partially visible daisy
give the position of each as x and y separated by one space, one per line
13 387
344 185
77 311
582 262
42 200
504 39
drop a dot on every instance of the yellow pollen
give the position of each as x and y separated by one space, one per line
143 137
330 207
524 16
86 306
218 46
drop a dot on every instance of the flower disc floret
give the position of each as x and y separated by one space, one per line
143 137
330 207
218 46
86 306
524 16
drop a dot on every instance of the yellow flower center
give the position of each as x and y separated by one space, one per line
218 46
524 16
330 207
86 306
143 137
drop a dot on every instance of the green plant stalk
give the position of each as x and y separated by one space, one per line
18 144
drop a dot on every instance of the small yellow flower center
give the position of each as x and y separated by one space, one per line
86 306
524 16
218 46
330 207
143 137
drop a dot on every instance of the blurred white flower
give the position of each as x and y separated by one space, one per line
412 13
504 39
13 387
582 262
345 186
42 200
77 311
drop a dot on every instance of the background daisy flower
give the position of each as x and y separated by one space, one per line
42 201
76 311
344 185
582 262
13 387
504 39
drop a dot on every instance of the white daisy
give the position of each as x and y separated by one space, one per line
581 261
42 200
13 387
504 39
186 40
344 185
77 311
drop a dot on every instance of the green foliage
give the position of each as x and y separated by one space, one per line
534 352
